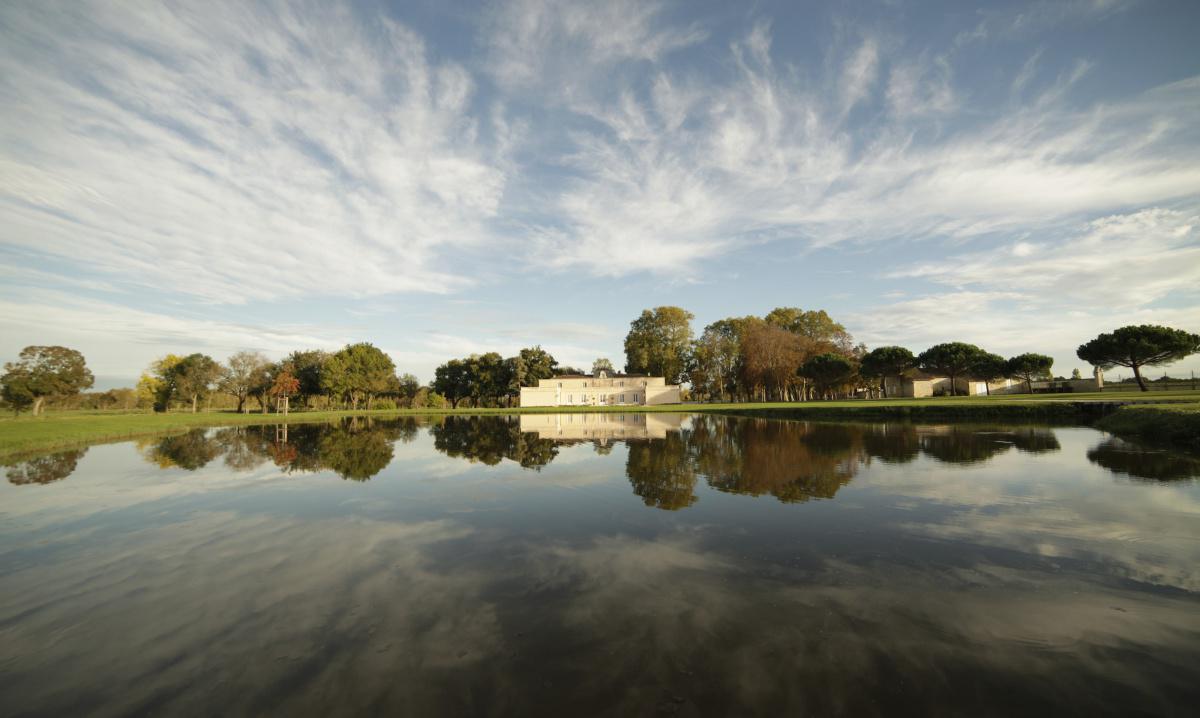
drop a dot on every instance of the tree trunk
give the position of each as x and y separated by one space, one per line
1137 374
883 387
1029 383
194 398
262 401
37 405
987 387
241 404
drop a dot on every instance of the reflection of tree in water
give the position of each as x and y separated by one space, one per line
191 450
489 439
791 461
44 469
961 445
1141 462
662 472
892 443
354 448
355 452
973 444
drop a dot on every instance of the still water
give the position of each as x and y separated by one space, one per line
602 564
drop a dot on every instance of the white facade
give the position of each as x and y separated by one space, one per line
602 390
601 426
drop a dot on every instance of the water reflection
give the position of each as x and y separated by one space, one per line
44 469
666 453
1005 576
1141 462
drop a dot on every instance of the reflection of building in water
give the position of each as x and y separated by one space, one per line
576 427
600 390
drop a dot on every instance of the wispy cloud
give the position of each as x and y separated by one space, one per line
671 180
240 151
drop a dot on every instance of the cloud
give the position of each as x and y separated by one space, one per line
668 181
241 151
547 44
1136 259
125 339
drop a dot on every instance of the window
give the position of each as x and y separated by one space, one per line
585 385
570 398
622 398
560 385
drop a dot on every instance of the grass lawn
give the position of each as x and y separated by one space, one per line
71 428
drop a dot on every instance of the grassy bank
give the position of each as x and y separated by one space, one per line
72 428
1176 425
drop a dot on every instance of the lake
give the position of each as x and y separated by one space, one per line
607 564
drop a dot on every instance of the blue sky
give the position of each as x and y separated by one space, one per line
441 179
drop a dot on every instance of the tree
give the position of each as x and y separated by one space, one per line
308 367
452 381
771 358
717 357
241 375
408 386
659 343
883 362
358 371
160 382
193 377
535 364
989 367
604 365
1030 367
487 377
284 386
828 370
41 372
815 325
1138 346
952 360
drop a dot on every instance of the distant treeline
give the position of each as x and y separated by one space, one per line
790 354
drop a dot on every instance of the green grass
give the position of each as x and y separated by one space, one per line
72 428
1176 424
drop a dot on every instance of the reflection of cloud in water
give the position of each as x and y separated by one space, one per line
267 615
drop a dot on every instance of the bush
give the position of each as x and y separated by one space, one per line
384 404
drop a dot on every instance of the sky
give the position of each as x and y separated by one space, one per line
444 178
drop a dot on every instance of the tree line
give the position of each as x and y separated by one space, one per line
789 354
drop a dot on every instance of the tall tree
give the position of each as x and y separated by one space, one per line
771 358
285 385
828 371
308 367
989 367
536 363
452 380
241 374
717 357
952 360
161 381
883 362
1030 367
1138 346
408 386
357 372
602 364
816 325
659 343
194 376
41 372
487 377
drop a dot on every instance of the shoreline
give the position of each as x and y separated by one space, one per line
1171 420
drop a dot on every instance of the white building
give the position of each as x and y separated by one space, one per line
602 390
601 426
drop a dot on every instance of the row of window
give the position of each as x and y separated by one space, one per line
620 383
584 397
